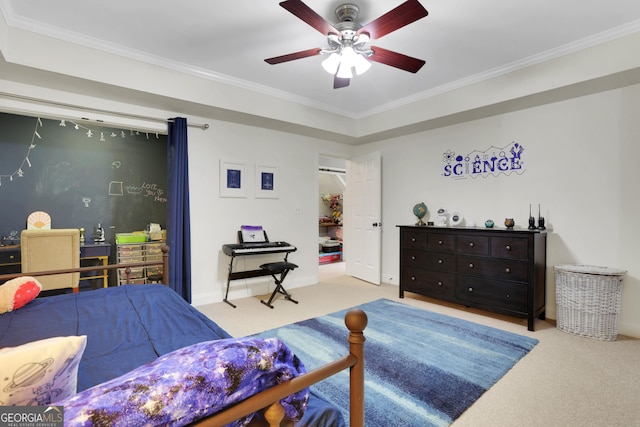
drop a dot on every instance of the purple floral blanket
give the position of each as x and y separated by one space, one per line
188 384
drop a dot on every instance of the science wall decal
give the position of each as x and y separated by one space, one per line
494 161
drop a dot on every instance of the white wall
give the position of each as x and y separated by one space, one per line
581 165
292 217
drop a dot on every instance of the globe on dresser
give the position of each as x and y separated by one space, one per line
420 210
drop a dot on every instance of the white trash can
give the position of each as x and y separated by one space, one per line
588 300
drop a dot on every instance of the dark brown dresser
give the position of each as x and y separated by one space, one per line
492 269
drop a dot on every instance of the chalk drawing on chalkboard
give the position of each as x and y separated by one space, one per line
134 189
56 179
116 165
26 160
86 201
115 188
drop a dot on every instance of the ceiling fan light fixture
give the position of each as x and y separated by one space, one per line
348 56
362 38
332 63
344 71
361 64
348 39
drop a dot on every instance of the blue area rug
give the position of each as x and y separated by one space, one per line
421 368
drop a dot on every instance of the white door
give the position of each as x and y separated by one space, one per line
362 221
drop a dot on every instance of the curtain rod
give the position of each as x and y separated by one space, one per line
203 126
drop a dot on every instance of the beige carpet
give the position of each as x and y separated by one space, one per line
565 380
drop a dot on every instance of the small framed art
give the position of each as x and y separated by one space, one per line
267 182
232 179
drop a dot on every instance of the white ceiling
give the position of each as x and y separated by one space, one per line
462 41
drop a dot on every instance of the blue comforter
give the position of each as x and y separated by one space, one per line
126 327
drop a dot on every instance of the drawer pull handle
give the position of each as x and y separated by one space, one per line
470 265
508 296
413 257
507 270
470 244
440 242
12 256
413 239
508 247
470 289
439 283
413 278
439 261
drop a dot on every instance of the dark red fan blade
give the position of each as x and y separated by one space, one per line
396 59
293 56
307 14
408 12
339 82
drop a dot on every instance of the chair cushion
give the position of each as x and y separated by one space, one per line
278 267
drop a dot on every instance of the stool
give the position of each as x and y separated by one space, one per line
281 268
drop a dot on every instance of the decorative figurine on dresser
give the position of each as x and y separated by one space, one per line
442 218
492 269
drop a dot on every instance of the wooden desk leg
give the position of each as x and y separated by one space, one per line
105 273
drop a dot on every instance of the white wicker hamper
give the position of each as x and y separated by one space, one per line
588 300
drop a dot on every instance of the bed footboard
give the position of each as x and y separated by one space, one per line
356 322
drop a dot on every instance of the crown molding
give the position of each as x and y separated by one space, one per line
567 49
79 39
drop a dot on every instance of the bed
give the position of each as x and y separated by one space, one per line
131 329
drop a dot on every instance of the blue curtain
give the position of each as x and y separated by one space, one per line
178 218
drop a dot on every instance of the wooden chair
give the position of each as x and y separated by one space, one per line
48 250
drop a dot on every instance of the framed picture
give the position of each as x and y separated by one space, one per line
233 180
267 182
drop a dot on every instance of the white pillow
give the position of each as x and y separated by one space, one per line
40 372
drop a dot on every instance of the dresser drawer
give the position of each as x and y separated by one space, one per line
493 268
509 247
10 257
153 248
414 239
131 259
429 283
441 242
492 293
434 261
95 251
130 253
473 245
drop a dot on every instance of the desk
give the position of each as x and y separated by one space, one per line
10 259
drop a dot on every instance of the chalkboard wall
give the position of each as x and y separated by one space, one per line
81 175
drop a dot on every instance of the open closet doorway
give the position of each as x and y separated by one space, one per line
332 185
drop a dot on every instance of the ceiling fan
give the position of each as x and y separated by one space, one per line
348 39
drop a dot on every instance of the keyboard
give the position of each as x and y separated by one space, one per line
256 248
